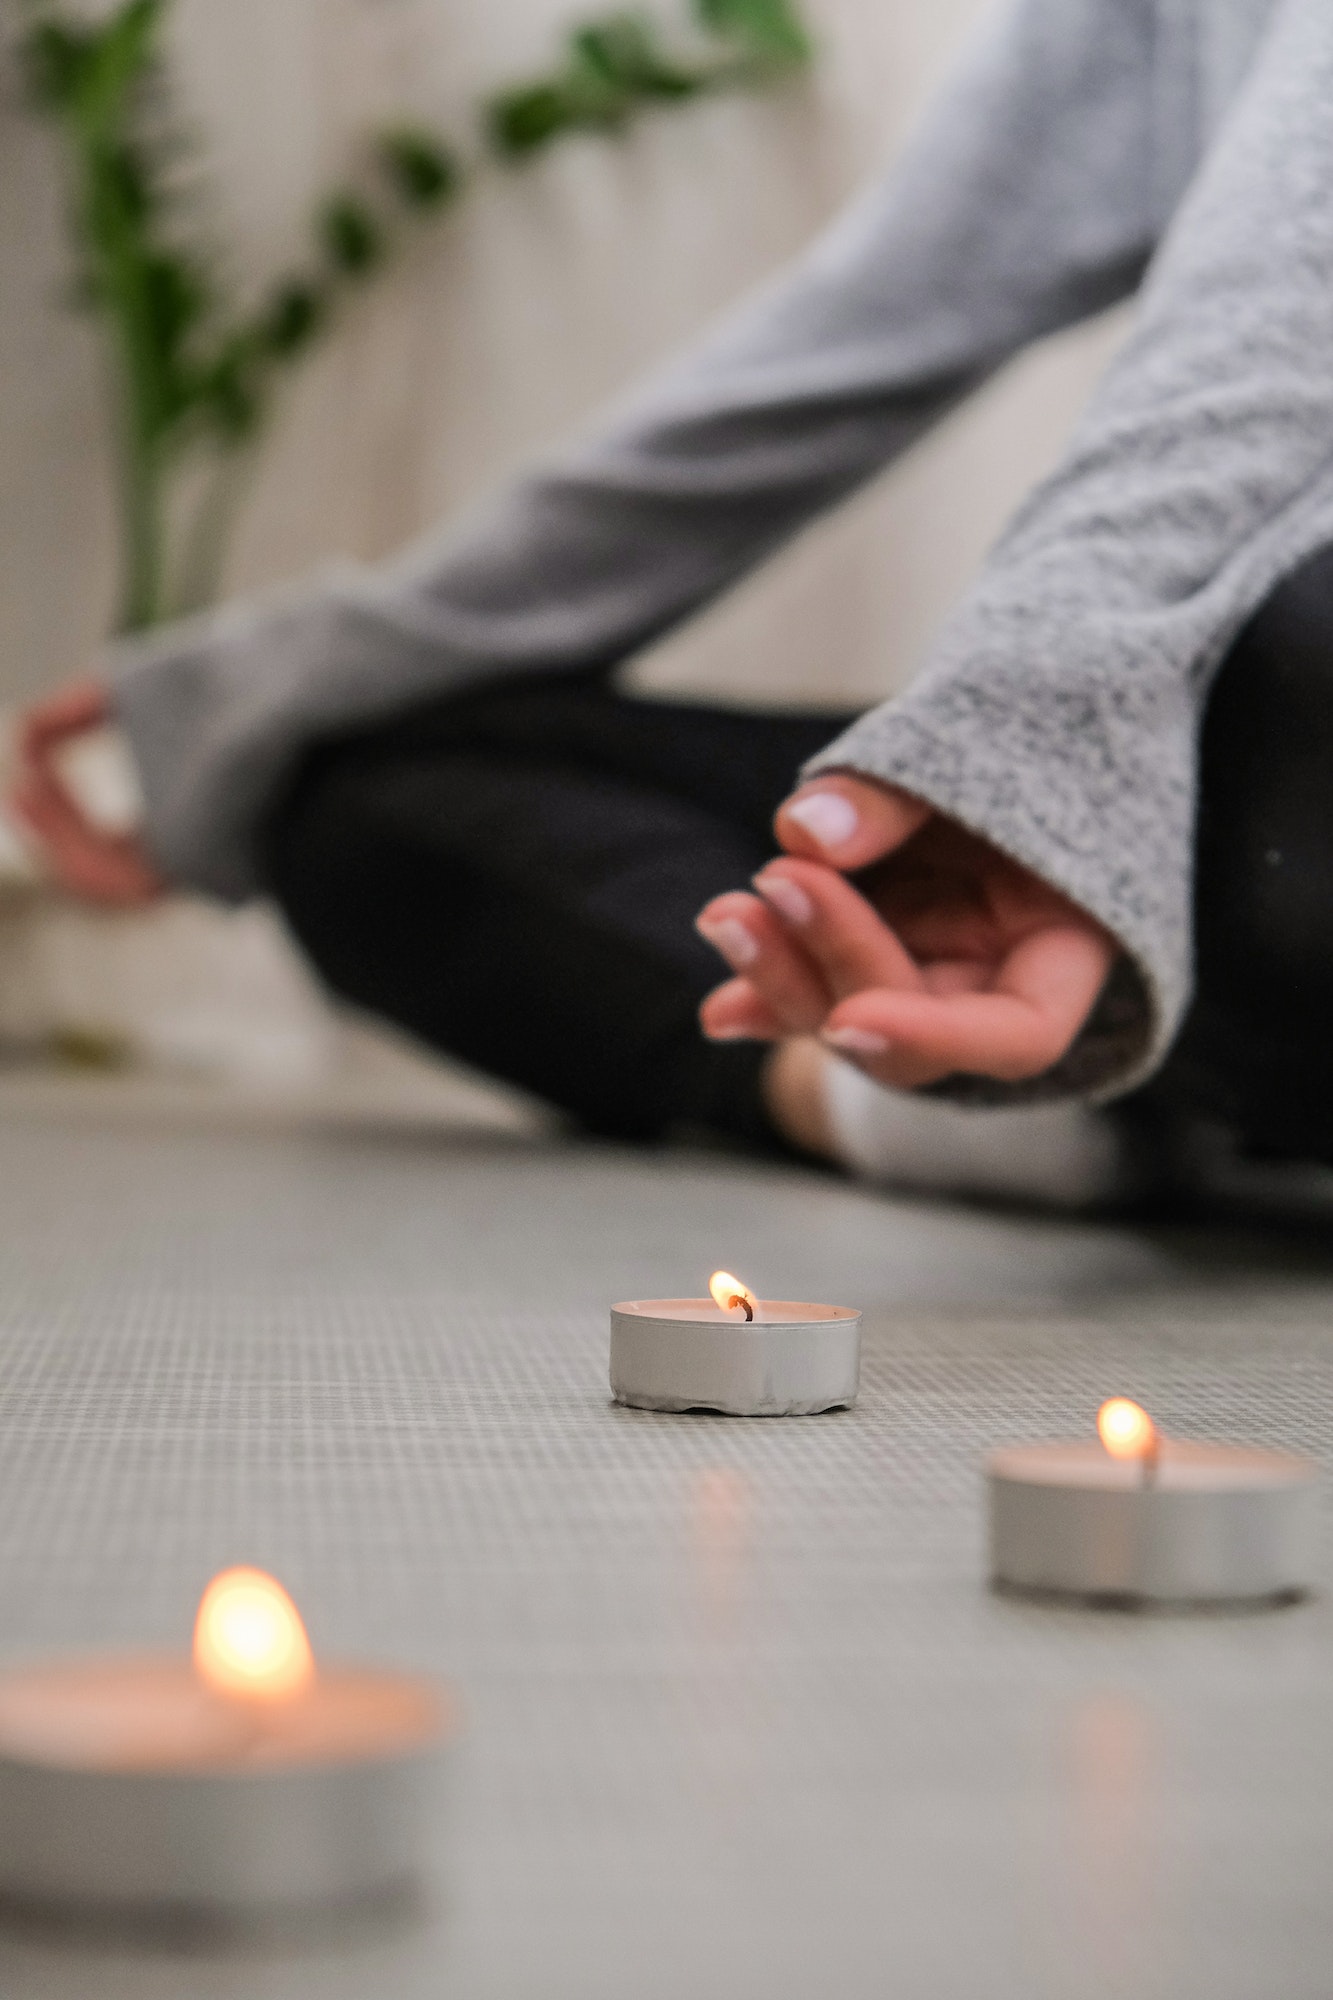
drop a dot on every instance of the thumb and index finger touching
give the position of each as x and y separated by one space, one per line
93 863
884 1018
79 706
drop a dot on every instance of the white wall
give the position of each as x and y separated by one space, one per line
553 286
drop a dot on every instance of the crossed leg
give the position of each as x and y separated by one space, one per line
513 875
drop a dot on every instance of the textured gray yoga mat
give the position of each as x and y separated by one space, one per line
743 1719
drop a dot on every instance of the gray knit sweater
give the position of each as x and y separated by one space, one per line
1084 148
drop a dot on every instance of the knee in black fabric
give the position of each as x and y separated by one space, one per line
413 902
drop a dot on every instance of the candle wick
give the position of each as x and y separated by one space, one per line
1150 1457
745 1307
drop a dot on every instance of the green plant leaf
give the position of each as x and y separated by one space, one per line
351 237
612 65
53 56
423 172
175 300
770 30
121 55
529 116
124 183
294 315
229 393
623 52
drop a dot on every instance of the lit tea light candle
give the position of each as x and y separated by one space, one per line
241 1782
1127 1431
744 1356
1134 1517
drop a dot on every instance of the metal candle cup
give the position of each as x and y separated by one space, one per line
1185 1524
788 1359
132 1787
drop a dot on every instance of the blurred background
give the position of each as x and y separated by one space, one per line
496 331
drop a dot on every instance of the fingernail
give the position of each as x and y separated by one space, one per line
827 816
855 1041
789 900
729 937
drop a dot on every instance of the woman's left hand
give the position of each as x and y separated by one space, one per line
946 957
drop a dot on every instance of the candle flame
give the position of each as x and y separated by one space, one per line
729 1292
249 1639
1126 1430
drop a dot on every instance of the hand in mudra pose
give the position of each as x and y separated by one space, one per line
91 862
946 956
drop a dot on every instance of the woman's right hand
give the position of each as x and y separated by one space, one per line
91 861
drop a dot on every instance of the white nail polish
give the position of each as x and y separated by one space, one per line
729 936
855 1041
789 900
828 816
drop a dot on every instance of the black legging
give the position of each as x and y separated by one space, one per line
1256 1049
513 873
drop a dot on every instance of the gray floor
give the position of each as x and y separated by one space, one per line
742 1718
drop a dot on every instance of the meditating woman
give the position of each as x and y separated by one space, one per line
1087 856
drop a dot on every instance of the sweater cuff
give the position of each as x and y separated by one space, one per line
1113 836
169 688
219 709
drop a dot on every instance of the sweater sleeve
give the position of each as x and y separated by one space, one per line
1023 204
1059 714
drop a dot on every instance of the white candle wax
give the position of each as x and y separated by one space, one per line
791 1359
128 1785
1206 1523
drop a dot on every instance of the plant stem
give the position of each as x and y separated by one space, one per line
143 530
198 572
143 444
